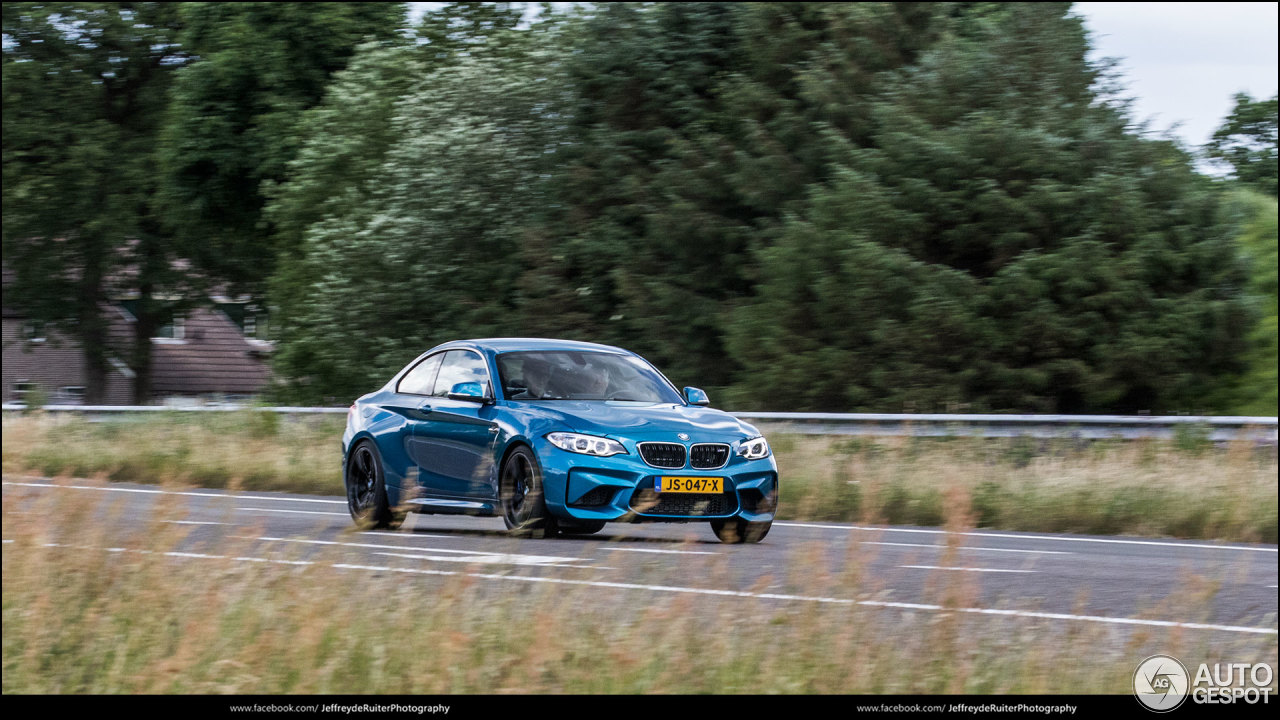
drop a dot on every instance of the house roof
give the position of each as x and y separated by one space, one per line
213 357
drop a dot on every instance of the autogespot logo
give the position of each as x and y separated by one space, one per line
1161 683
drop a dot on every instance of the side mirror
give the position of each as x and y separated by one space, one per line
696 396
472 391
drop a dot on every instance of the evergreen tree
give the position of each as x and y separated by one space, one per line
698 126
1005 241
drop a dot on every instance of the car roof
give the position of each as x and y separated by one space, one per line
501 345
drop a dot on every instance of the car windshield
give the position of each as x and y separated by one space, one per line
572 375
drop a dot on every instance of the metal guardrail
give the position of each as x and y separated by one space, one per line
119 409
1216 428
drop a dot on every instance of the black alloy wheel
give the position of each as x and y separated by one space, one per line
524 509
367 490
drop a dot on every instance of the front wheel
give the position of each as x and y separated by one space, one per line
367 490
524 509
737 530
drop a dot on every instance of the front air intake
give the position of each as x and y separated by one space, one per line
646 501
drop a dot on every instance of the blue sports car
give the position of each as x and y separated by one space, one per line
555 437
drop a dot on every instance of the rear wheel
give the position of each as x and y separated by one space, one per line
367 490
737 530
524 509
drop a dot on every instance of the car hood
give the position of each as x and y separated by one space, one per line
641 420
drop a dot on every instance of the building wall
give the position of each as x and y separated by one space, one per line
53 364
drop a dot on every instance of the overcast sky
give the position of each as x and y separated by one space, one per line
1181 62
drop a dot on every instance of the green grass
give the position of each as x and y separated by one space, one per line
1185 487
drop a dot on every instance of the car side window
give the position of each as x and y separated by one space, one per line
421 378
461 366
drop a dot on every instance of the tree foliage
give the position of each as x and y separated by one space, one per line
84 87
1252 391
1003 241
697 127
420 239
231 124
1246 142
837 206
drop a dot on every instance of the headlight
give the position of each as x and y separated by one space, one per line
586 444
753 449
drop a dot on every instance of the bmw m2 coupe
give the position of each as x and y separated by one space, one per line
555 437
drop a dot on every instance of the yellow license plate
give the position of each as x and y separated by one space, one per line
690 484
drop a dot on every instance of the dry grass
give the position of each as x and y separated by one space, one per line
1179 488
1184 488
79 618
248 450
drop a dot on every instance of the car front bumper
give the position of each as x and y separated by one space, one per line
622 488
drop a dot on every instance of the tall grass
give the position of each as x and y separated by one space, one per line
1143 487
82 618
1184 487
251 450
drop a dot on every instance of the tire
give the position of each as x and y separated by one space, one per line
524 508
737 530
367 490
582 527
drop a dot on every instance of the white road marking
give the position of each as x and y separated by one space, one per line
741 593
194 522
414 534
819 526
469 555
664 552
842 601
179 492
1008 536
292 512
492 558
268 498
185 555
967 548
964 569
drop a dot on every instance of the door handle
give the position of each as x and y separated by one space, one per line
493 429
424 408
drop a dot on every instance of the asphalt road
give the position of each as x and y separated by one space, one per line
1121 582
